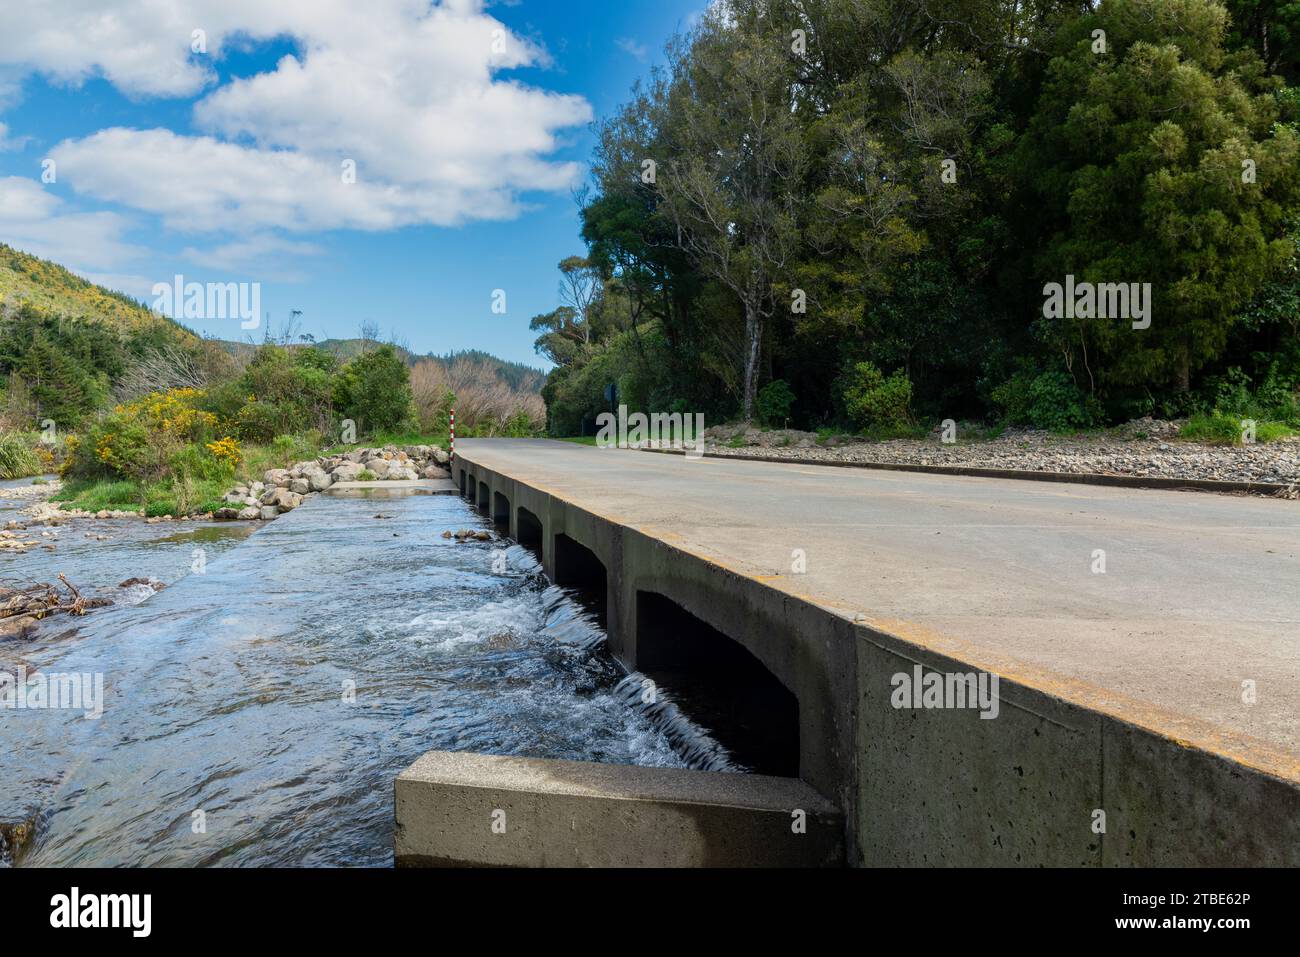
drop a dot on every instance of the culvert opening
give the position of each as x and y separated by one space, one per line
578 568
484 494
501 513
528 530
719 684
462 481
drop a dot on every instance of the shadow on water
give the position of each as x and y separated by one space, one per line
257 712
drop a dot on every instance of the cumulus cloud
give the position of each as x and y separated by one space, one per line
409 92
36 221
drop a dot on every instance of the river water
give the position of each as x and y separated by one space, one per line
228 692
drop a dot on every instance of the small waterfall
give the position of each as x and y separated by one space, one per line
692 742
566 622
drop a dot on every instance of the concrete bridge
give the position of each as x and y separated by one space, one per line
1145 644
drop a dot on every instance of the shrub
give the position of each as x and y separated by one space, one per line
375 390
141 440
874 401
1048 400
280 391
18 458
485 402
774 403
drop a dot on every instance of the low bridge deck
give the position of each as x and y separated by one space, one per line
1164 691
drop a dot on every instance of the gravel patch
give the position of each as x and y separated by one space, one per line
1118 453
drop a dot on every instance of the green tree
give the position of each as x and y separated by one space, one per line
735 193
375 390
1159 160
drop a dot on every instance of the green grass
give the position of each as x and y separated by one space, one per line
96 495
882 433
171 496
18 458
282 451
1220 429
408 438
580 439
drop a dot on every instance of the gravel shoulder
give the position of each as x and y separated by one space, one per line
1111 454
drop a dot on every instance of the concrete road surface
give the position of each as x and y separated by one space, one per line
1199 596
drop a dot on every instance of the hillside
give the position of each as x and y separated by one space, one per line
52 290
516 375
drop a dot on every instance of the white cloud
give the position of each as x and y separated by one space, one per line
632 48
253 253
8 142
410 93
38 222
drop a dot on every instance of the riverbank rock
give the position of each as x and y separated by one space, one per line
282 490
347 472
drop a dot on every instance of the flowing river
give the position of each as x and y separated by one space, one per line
230 691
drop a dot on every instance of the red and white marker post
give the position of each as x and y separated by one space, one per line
451 449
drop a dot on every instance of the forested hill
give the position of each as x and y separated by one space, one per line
51 290
516 375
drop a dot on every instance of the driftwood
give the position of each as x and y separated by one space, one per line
41 600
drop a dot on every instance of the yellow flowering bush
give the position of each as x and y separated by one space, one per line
146 439
226 450
172 412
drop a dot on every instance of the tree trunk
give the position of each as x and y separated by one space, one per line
753 355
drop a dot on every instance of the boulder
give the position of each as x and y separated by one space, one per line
347 472
379 467
250 512
287 500
300 486
441 457
269 512
274 477
318 480
226 514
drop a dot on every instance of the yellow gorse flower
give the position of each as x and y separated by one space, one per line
172 412
226 449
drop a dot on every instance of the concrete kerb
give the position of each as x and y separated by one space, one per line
1273 489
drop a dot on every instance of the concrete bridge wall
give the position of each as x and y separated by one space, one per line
1048 782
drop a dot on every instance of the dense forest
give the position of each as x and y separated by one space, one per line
849 213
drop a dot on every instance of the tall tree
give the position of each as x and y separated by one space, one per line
735 194
1158 159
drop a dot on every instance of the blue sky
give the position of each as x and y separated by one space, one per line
468 125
